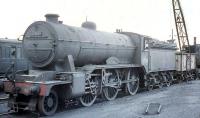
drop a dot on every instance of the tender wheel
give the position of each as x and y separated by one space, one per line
165 81
160 85
168 84
91 93
47 105
169 79
150 87
110 91
160 81
150 83
132 87
190 76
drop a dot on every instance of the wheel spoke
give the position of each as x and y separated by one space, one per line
89 98
48 104
132 86
110 92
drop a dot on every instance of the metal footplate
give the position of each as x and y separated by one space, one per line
153 108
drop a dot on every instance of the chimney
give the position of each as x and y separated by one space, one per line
195 40
52 18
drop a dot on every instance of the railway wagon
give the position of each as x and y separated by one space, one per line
11 53
71 63
196 50
11 58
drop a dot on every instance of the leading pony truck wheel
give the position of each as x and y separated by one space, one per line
47 105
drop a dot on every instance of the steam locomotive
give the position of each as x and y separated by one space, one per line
72 63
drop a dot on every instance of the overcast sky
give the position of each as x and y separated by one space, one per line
149 17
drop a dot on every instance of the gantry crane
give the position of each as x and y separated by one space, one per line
183 41
180 27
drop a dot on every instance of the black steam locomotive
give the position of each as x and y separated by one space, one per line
82 64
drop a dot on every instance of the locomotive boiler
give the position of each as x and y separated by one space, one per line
80 64
47 43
